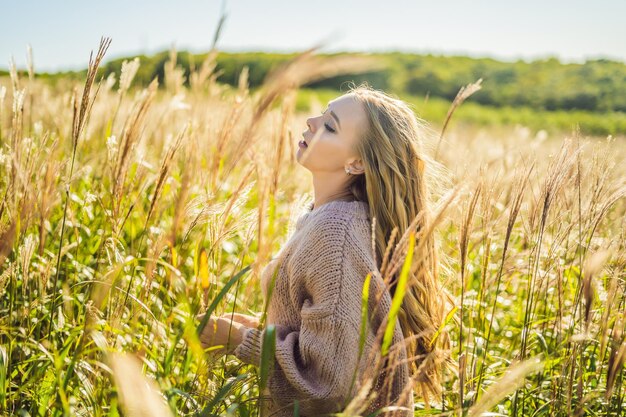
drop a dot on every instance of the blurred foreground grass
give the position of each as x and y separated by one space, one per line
125 212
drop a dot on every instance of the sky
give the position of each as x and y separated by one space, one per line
62 33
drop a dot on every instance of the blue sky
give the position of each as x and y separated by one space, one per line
63 32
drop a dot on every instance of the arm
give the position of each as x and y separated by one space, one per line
308 367
245 319
315 364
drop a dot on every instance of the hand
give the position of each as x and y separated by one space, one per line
215 333
245 319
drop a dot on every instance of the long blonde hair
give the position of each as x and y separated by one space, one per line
396 189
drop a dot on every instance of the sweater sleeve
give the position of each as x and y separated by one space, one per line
315 364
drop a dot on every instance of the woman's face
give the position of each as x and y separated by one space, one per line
332 136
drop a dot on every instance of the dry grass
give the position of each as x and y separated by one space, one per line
142 204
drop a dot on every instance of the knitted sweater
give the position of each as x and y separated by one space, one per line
315 307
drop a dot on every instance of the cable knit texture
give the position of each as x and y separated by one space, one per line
315 307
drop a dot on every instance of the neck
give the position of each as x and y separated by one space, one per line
328 187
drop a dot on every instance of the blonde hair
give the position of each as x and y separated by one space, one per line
397 190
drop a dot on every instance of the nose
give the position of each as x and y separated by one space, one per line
310 124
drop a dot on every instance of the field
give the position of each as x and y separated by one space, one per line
125 212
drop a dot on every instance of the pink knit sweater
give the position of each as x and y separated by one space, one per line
315 307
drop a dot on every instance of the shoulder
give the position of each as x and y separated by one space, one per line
337 258
336 234
329 236
329 225
338 215
337 227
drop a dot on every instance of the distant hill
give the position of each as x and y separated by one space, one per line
596 85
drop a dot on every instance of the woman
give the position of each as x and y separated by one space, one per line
365 154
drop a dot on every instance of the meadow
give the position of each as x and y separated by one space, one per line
126 211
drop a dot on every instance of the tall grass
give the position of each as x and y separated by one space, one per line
127 212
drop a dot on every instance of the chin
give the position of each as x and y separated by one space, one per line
300 158
299 161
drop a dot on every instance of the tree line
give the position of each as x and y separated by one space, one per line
596 85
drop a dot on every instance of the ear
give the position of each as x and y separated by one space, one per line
356 167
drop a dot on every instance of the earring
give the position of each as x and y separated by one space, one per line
348 171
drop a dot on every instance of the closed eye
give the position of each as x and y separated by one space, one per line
330 129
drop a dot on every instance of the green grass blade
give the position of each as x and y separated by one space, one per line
443 325
221 395
269 294
267 355
365 295
398 296
219 297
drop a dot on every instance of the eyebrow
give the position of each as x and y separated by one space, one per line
332 113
